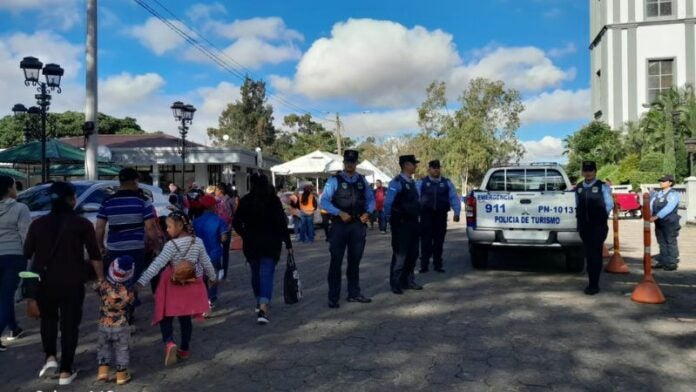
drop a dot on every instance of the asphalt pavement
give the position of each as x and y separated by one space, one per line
521 325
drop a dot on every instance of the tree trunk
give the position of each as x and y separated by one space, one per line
669 163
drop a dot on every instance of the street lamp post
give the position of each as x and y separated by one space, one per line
33 68
184 114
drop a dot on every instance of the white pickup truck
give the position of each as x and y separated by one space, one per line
525 206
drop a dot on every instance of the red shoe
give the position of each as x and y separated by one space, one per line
170 354
183 354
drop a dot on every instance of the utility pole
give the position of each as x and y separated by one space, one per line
339 141
91 104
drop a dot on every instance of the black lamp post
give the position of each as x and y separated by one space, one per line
33 68
184 114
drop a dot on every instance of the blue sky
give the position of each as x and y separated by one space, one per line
368 60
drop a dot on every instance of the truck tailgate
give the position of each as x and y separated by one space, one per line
554 210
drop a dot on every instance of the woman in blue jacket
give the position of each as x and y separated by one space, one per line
663 208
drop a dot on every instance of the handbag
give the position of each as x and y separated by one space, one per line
292 286
184 270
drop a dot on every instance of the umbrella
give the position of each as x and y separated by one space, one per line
7 171
56 152
79 170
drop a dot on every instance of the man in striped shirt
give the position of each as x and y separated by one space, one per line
130 217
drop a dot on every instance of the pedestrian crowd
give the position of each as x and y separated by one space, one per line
182 256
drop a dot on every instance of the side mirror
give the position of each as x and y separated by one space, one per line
89 207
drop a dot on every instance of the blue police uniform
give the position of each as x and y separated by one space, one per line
437 197
352 195
664 205
402 208
594 203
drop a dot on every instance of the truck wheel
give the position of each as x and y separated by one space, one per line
575 260
479 257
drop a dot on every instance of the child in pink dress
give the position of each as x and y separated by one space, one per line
179 300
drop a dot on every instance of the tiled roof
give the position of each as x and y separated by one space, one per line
150 140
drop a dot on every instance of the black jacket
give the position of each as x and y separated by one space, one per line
263 232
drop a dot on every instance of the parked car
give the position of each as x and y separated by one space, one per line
90 195
526 206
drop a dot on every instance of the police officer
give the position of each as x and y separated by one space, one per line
402 208
594 202
349 200
663 207
437 196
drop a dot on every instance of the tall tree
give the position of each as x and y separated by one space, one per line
303 135
248 122
595 141
65 124
482 132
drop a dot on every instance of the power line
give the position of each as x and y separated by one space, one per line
282 101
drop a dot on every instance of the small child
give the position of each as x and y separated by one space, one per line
116 296
173 299
213 231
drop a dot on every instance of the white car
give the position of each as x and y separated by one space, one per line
90 195
527 206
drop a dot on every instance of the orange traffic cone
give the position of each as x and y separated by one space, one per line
616 265
647 291
605 251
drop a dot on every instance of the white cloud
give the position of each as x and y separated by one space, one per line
558 106
157 36
384 64
49 48
569 48
271 28
127 89
201 11
374 62
212 101
548 149
378 124
522 68
61 14
252 53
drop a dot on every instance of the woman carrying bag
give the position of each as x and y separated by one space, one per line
56 242
15 219
262 223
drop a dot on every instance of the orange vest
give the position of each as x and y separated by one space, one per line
309 207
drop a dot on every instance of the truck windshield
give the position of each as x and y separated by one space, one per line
526 180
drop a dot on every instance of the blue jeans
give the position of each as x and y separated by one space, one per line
307 225
262 272
10 267
382 219
296 226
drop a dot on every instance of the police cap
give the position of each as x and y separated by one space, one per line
434 164
408 158
588 166
350 156
667 177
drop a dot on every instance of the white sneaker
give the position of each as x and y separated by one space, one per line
68 380
46 367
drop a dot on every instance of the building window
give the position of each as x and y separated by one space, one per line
660 78
658 8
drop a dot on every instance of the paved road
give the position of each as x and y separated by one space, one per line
522 325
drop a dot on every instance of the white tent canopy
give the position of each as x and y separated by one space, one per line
318 164
377 174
